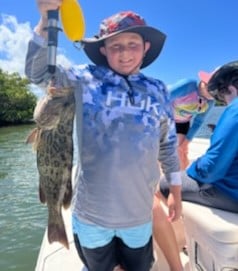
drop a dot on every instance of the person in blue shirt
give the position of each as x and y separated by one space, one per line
124 125
212 180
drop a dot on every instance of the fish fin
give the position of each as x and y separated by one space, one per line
42 195
56 229
68 194
33 138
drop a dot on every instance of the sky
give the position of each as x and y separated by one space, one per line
201 34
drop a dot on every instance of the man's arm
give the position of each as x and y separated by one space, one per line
214 164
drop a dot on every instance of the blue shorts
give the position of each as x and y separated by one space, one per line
93 236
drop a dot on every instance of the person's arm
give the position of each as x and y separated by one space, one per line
174 203
40 28
169 161
36 61
36 68
198 121
168 155
44 7
36 57
214 164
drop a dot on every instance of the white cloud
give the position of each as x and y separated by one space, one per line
13 43
63 60
14 37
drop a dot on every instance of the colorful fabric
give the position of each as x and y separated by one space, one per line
188 105
120 21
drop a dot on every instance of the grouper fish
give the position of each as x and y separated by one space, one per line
53 141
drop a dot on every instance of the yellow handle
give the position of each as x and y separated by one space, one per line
72 20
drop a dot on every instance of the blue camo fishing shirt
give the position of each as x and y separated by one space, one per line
119 143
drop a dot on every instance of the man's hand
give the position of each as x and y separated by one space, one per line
43 7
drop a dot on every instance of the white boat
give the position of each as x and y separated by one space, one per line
54 257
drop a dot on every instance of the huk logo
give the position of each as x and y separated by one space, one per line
123 101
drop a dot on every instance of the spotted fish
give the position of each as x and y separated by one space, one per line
53 141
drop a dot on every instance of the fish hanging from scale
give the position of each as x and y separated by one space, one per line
53 136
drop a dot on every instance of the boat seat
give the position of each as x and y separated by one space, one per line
212 238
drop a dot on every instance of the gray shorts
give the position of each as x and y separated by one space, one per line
204 194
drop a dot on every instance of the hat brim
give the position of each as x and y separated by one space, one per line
220 74
150 34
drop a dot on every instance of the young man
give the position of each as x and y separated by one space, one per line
124 124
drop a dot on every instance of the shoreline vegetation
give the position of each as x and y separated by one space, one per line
9 124
17 101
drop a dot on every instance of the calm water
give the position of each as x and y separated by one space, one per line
22 217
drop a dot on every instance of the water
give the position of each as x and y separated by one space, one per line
22 216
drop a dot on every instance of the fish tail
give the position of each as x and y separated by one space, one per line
56 228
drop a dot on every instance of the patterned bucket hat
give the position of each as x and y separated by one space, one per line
220 79
126 21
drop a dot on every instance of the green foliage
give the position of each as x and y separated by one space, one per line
17 102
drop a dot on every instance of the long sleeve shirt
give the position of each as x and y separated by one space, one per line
119 143
219 165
